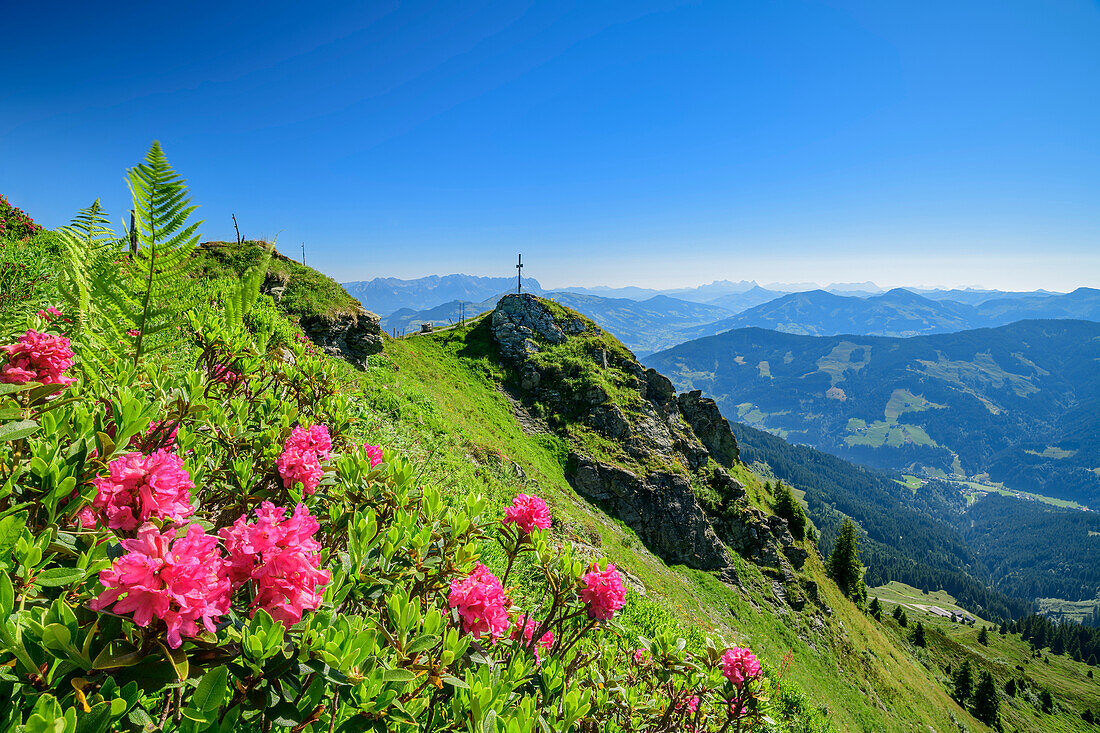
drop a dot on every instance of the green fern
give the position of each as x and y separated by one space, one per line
155 286
239 303
88 244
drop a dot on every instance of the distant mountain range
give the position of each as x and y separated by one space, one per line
384 295
1018 404
643 326
901 312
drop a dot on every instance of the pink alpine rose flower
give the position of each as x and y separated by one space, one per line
739 665
524 630
302 455
374 453
279 555
37 357
603 592
527 513
138 487
180 582
481 604
49 314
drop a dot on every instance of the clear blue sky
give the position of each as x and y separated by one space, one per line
649 143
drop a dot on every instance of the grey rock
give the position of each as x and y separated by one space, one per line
517 320
660 507
352 336
706 420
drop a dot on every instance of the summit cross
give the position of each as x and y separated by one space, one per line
519 274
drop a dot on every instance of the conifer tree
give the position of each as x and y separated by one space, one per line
1010 688
987 706
844 567
963 683
1046 701
787 506
903 619
875 609
983 637
918 635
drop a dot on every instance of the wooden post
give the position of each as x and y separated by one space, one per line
237 228
133 234
303 253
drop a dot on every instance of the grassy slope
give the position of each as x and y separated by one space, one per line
308 292
435 397
950 643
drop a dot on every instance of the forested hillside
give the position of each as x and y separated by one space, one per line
1015 404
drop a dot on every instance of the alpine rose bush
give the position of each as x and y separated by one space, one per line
527 513
374 453
37 357
180 582
138 487
603 592
739 665
280 556
481 604
524 630
302 455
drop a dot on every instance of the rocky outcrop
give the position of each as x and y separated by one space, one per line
518 320
351 336
661 507
706 421
668 442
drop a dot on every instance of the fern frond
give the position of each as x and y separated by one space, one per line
87 242
159 276
239 303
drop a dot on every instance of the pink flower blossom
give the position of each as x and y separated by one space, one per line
691 703
481 604
527 513
603 592
524 629
37 357
739 665
181 582
86 518
374 453
302 455
225 375
314 438
138 487
279 555
49 314
133 333
641 656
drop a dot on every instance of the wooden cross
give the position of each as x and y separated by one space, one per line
519 275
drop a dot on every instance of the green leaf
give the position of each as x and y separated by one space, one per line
422 643
57 577
211 690
16 430
7 597
177 658
489 725
11 527
454 681
398 675
117 654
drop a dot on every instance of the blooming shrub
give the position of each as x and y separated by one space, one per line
739 665
37 357
180 582
15 223
480 602
603 593
153 577
374 454
528 513
302 456
138 488
280 557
